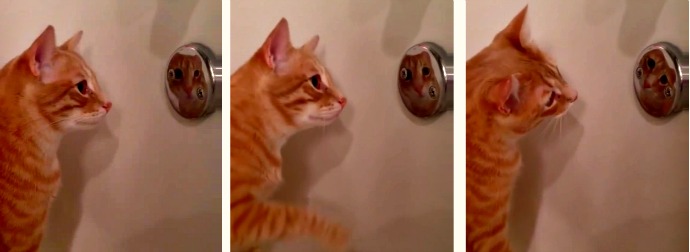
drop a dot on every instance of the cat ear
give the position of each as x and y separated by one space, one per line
277 46
41 52
517 31
71 44
311 44
505 95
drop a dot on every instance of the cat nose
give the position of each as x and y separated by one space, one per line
107 106
342 101
573 97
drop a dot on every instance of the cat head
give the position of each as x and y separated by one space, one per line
523 85
60 84
187 84
297 84
418 80
658 79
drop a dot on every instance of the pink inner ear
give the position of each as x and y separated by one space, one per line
504 95
277 45
42 51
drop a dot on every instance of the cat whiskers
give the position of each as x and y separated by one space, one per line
560 126
49 124
548 129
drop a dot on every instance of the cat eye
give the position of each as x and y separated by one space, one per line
82 87
663 80
196 73
651 63
405 74
551 100
425 71
200 93
315 81
175 74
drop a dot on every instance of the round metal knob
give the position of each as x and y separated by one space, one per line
660 79
425 80
193 81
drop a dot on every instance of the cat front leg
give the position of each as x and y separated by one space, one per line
272 179
261 222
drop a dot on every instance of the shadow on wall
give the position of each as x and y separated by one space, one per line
321 146
638 24
173 235
551 138
387 237
66 211
170 25
326 147
402 25
650 233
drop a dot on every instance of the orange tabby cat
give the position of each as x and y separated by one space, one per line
658 80
44 93
418 80
511 87
187 85
281 90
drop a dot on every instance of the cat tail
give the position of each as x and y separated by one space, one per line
258 222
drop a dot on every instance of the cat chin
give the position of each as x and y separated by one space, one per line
79 126
565 111
319 121
84 123
559 115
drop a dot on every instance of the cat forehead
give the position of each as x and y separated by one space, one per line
69 60
187 56
325 76
79 69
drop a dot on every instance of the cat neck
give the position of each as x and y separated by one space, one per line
488 131
41 131
248 95
22 119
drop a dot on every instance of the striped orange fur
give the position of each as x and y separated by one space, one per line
45 92
511 87
280 91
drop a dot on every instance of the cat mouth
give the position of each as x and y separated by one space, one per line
325 119
564 112
89 122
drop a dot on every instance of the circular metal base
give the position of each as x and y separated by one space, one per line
660 79
425 80
193 81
